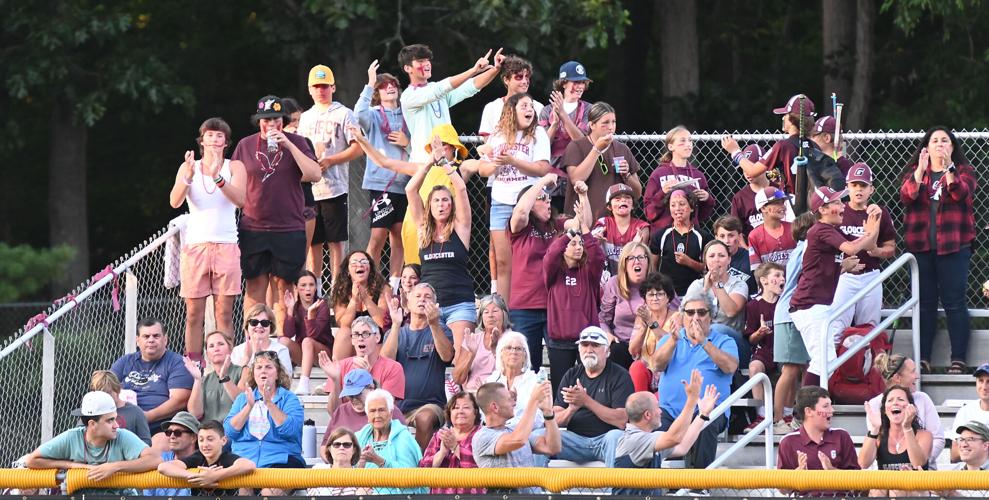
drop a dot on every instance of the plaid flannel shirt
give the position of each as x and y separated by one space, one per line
955 217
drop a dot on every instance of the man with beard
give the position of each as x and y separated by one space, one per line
695 347
591 402
365 335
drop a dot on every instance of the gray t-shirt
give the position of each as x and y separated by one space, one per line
132 418
640 445
484 444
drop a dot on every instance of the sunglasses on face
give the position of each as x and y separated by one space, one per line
520 76
263 322
696 312
342 444
175 432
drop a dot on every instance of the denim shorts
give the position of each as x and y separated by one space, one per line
461 311
499 216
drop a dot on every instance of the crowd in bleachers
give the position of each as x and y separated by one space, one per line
647 324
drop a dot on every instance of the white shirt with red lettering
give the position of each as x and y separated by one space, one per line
509 180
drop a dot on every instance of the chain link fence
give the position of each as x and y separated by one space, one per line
886 152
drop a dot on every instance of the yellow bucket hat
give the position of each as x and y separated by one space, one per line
449 136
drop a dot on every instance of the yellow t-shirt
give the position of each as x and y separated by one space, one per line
436 176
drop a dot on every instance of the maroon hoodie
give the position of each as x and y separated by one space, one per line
574 295
656 212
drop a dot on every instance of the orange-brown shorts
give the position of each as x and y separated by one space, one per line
210 269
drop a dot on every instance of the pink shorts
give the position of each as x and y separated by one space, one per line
210 269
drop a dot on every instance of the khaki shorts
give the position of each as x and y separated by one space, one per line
788 345
210 269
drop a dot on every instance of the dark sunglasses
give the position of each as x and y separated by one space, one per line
696 312
175 432
263 322
342 444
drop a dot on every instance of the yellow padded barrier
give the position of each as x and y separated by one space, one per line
554 480
28 479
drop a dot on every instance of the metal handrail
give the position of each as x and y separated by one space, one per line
174 227
911 306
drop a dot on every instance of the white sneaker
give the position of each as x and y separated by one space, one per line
781 428
302 388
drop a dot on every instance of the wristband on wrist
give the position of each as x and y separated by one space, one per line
550 417
225 379
736 157
871 435
706 418
220 181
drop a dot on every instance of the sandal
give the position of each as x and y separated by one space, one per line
958 368
925 367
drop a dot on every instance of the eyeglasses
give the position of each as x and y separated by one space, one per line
633 258
175 432
263 322
696 312
969 439
342 444
362 335
656 295
361 262
513 348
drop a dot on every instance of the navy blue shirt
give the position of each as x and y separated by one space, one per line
151 380
425 372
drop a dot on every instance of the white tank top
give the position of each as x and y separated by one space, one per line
212 216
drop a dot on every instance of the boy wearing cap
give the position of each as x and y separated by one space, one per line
325 124
382 122
866 311
99 445
773 240
272 227
567 116
798 118
427 104
977 410
591 402
823 136
743 202
728 230
812 299
614 231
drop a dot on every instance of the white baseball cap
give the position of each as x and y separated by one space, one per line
94 404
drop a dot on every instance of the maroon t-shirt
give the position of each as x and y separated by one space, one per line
598 181
274 200
574 294
528 247
853 226
844 164
743 207
755 308
778 159
820 269
836 444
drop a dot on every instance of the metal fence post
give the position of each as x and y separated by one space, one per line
130 313
47 386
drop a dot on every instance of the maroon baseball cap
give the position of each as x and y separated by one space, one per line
752 152
825 125
824 195
794 106
860 172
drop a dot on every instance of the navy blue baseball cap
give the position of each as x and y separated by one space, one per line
574 71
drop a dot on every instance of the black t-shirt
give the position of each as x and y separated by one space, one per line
611 388
666 242
225 460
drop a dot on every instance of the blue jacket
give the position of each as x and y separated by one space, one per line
400 451
377 177
281 442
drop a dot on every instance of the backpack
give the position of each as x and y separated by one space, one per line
857 380
820 170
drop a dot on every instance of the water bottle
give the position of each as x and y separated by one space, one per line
309 439
272 144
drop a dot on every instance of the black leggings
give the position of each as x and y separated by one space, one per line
560 360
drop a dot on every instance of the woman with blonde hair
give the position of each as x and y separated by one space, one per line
214 390
259 328
676 172
476 360
621 299
129 416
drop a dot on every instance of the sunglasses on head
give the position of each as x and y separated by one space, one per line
266 354
342 444
263 322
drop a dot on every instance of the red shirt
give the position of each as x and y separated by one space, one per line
955 218
853 226
573 295
528 247
836 444
763 247
299 326
614 239
388 372
743 207
820 269
274 200
656 212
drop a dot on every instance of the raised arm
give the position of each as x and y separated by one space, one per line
183 179
463 221
399 166
582 171
520 214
